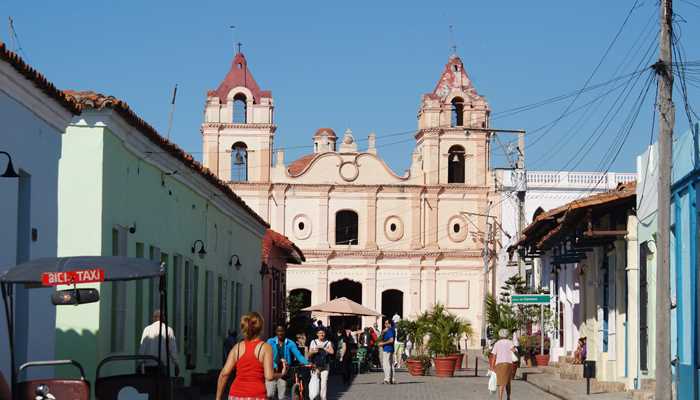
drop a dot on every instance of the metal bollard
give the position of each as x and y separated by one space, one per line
588 373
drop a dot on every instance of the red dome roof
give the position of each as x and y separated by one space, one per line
325 131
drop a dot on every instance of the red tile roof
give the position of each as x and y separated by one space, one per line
88 100
275 239
549 224
239 75
299 165
39 80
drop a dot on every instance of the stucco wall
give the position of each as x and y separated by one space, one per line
31 132
105 184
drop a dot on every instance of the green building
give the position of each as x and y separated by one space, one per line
125 190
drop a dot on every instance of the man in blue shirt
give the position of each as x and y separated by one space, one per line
282 351
388 338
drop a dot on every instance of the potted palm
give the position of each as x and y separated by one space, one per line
445 329
418 363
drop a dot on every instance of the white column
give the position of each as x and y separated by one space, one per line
323 217
632 301
370 293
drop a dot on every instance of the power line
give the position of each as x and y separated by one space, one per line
595 70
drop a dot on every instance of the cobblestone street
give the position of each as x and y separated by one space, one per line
369 387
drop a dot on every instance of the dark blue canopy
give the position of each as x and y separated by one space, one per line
115 268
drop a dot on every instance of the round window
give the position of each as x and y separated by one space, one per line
302 227
393 228
457 228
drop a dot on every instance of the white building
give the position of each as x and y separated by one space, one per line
397 243
34 114
547 190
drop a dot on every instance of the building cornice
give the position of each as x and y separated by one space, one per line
376 254
227 125
391 188
25 92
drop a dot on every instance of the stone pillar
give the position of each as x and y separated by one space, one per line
414 286
431 158
632 301
322 286
210 157
279 193
323 218
370 293
430 284
371 224
415 205
431 200
264 162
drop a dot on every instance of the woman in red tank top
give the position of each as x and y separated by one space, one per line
252 361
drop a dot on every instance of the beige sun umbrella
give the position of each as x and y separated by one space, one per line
343 306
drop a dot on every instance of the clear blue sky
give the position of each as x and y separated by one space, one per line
360 64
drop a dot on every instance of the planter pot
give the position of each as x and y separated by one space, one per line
542 360
445 366
464 361
415 367
458 363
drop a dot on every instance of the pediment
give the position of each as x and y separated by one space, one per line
343 169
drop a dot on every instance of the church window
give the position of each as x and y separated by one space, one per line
457 112
239 162
455 164
346 227
240 109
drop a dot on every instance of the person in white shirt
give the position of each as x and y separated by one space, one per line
149 345
320 351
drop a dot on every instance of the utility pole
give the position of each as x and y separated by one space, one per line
487 257
664 71
521 187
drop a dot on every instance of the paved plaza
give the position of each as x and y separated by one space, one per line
368 387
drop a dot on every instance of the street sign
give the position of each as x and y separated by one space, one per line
72 277
530 299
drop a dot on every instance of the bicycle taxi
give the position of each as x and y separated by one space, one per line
47 272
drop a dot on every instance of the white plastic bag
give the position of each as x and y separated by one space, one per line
493 384
314 385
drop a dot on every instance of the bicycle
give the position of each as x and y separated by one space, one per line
298 386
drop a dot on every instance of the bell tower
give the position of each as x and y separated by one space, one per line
451 152
238 129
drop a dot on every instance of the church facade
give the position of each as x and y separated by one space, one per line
397 243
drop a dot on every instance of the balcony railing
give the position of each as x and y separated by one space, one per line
571 180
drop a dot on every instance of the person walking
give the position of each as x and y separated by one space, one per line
502 363
252 361
345 355
320 352
387 344
283 350
150 346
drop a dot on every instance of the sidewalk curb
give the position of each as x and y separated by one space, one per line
559 390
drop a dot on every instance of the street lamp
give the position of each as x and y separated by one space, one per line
202 252
10 170
237 264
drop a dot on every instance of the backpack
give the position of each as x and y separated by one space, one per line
320 359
